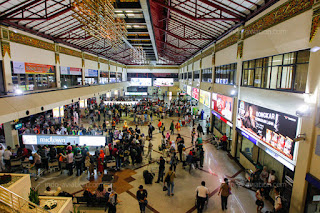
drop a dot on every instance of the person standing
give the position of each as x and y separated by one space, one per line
2 167
172 128
202 196
184 157
200 130
193 133
78 161
70 162
277 201
225 192
162 164
201 156
149 150
169 179
208 127
113 201
141 196
163 128
260 199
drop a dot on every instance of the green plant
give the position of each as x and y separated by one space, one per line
34 196
76 210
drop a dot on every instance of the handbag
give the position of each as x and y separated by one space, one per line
165 188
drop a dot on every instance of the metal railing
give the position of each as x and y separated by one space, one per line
17 203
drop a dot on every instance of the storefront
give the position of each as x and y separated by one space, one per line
313 194
113 77
104 77
30 76
222 116
91 76
70 76
267 137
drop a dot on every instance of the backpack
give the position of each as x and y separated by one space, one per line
168 178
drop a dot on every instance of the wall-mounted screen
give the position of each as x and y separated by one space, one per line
163 82
145 82
223 105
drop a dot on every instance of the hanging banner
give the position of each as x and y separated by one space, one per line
70 71
104 74
31 68
163 82
195 93
223 105
91 73
205 98
274 129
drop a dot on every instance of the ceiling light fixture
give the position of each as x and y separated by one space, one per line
130 14
98 20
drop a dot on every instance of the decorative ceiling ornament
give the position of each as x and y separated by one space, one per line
138 56
98 20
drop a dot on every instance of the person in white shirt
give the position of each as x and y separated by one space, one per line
2 168
7 158
202 196
70 162
277 201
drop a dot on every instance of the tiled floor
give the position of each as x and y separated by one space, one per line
217 166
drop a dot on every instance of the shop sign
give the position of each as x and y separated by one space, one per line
31 68
221 118
195 93
63 140
58 112
91 73
223 105
273 129
135 93
205 98
70 71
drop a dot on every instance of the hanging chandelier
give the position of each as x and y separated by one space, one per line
98 20
138 55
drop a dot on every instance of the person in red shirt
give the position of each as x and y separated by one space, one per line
224 141
69 147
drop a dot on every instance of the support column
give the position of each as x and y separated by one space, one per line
98 70
6 59
57 61
11 135
306 150
237 95
83 69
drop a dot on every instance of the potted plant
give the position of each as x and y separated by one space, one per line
34 198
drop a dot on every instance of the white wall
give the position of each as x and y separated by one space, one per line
207 62
152 70
104 67
91 64
24 53
226 56
113 68
196 65
70 61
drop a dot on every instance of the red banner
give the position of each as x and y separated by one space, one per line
31 68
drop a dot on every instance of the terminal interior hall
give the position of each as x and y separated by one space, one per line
160 106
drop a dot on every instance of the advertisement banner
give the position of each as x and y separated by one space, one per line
58 112
104 74
223 105
83 104
205 98
189 90
63 140
163 82
32 68
91 73
195 93
70 71
135 93
145 82
274 129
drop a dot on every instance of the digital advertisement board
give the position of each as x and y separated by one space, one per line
144 82
83 104
189 90
205 98
195 93
274 129
223 105
63 140
58 112
163 82
135 93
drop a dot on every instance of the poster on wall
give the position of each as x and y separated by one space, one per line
31 68
205 98
195 93
274 129
163 82
189 90
58 112
223 105
83 104
145 82
70 71
91 73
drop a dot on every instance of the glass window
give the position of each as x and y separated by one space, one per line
196 75
207 75
225 74
283 72
247 148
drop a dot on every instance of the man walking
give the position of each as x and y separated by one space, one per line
202 196
225 192
141 196
161 169
169 179
172 128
